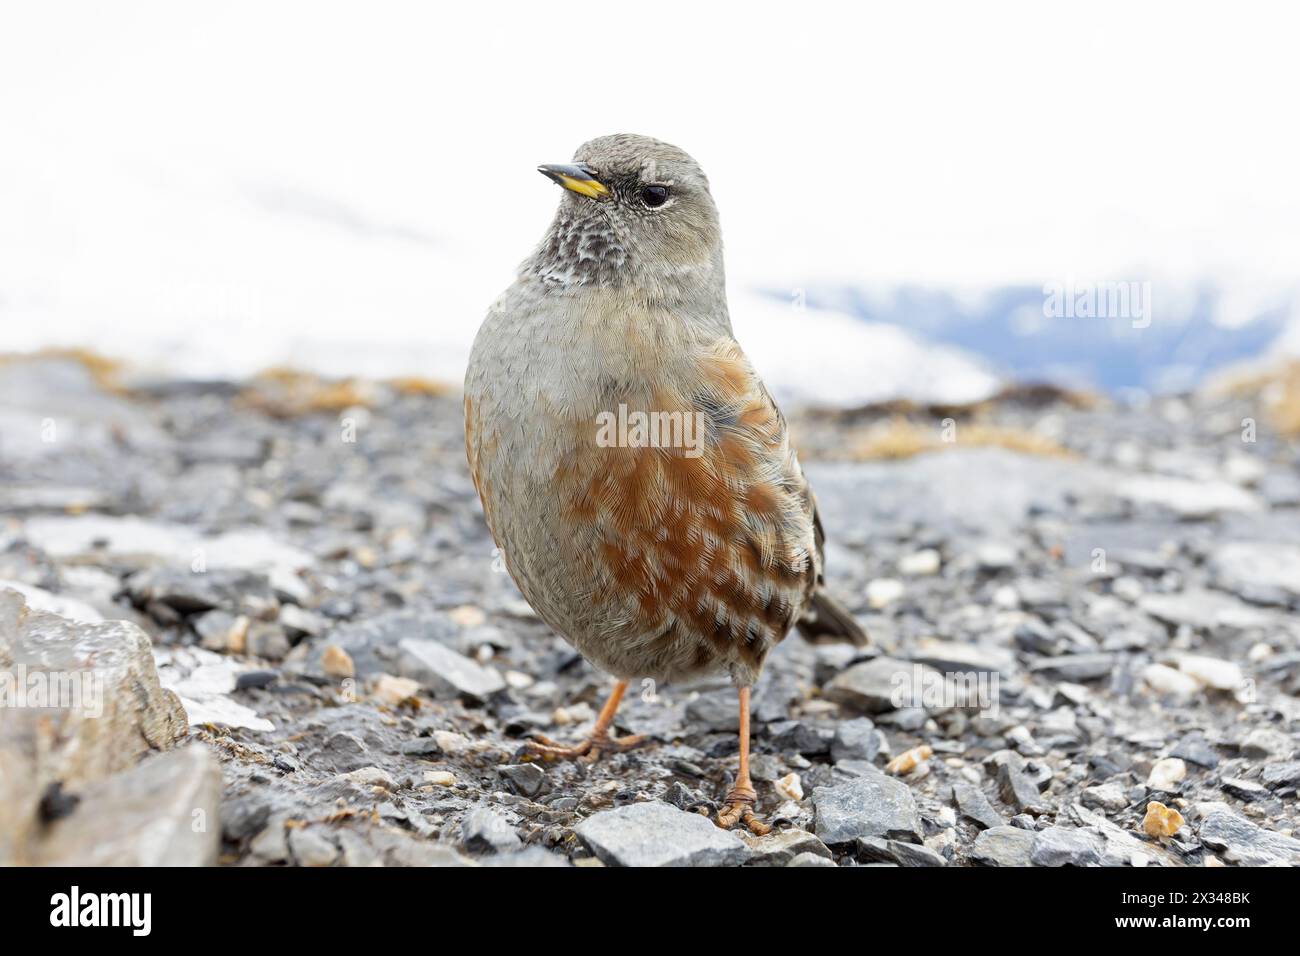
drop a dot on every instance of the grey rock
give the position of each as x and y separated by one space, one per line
420 747
682 796
1262 572
1107 796
188 592
310 846
445 673
1264 742
716 711
267 641
398 848
1247 843
524 778
61 604
811 859
897 851
1187 499
657 834
1194 748
1076 668
355 850
1211 611
134 541
1003 846
872 805
972 803
216 629
1122 848
1281 489
272 844
796 736
163 812
1242 789
372 642
1279 775
1019 792
878 685
857 739
949 656
996 556
779 847
369 777
1065 846
485 830
529 858
114 714
299 622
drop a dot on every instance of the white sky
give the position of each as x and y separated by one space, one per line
963 145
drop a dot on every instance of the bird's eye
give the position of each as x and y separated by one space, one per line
654 196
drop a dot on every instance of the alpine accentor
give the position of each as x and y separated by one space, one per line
634 470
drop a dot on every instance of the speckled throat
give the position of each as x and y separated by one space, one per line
580 249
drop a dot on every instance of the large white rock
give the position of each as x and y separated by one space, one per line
78 702
163 812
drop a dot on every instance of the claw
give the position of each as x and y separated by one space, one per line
589 751
740 809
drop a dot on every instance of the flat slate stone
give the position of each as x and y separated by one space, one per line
1003 846
878 685
1246 843
445 673
1066 846
975 806
871 805
1266 573
657 834
1019 791
779 847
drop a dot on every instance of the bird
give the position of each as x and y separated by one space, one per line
634 471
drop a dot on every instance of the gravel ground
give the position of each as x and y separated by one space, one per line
1085 641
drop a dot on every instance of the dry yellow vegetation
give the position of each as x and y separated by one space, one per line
1277 388
902 438
285 392
105 371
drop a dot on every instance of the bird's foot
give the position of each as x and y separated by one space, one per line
740 809
589 751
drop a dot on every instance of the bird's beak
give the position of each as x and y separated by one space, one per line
579 179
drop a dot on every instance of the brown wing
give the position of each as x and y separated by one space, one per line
715 543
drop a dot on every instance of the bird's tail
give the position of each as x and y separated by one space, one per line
827 621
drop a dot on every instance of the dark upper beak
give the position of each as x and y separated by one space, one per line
578 178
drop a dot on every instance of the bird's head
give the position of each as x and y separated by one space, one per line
635 211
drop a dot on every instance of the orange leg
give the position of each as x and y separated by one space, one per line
740 801
597 743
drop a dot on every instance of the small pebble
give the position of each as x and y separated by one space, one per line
1166 774
790 786
909 760
1161 821
336 662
